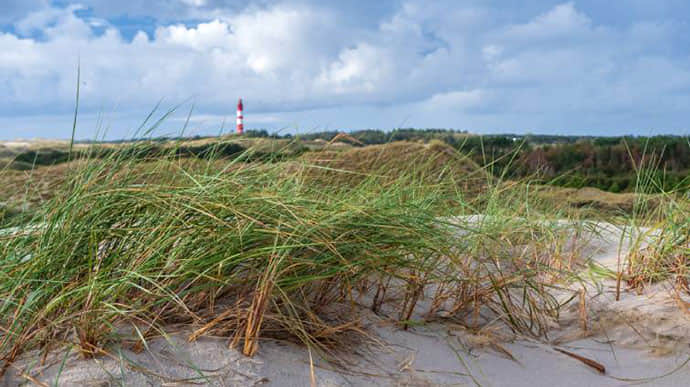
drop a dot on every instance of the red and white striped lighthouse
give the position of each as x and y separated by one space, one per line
240 125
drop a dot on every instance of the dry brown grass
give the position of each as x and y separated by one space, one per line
589 198
337 163
667 254
31 187
433 163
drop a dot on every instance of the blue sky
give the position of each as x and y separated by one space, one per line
575 67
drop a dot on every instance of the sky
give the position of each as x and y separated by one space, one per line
586 67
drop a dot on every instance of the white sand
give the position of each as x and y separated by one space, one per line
423 356
628 337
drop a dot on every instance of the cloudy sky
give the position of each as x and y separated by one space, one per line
488 66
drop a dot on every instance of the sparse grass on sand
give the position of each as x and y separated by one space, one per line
663 244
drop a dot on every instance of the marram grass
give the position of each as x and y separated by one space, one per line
251 249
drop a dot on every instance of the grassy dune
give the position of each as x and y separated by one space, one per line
126 244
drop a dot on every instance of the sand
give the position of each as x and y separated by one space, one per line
641 339
432 355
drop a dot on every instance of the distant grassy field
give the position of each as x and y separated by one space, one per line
31 170
607 163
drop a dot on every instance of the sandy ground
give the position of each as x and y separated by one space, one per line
425 356
641 339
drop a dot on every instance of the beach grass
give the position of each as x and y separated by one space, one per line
129 244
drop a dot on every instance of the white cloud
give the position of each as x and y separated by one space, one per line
12 10
195 3
285 39
455 100
204 36
562 20
459 62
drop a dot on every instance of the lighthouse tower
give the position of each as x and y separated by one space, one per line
240 125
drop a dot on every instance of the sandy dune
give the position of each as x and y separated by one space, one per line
641 339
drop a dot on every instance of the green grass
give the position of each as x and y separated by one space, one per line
666 234
131 242
255 249
659 222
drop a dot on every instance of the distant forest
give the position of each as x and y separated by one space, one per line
609 163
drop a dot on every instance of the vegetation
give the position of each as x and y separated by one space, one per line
248 249
662 244
606 163
667 251
282 238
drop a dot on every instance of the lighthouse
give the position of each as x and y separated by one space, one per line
240 125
